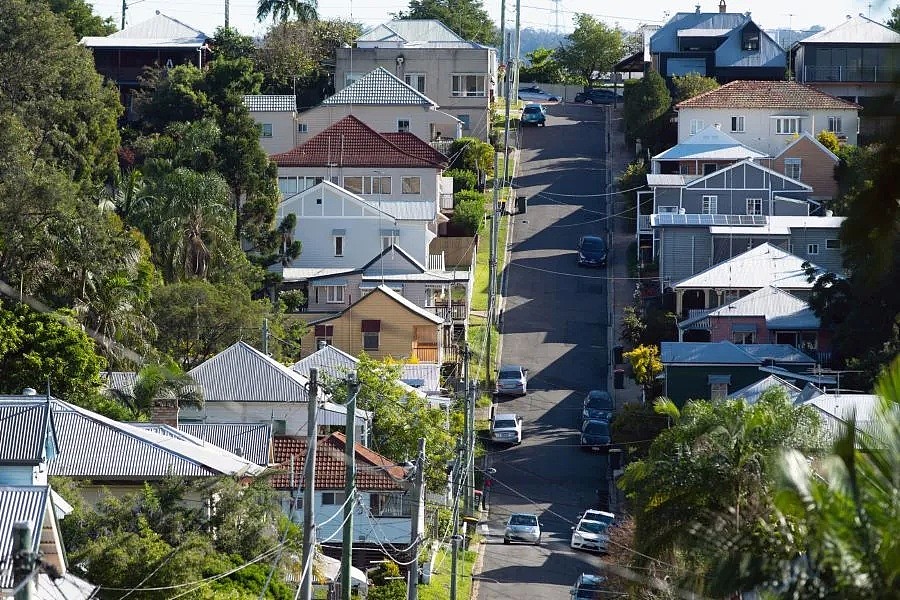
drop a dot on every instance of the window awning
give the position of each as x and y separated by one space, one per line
788 116
714 379
743 327
338 232
330 281
371 325
394 232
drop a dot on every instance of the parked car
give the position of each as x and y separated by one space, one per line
534 114
535 94
522 527
597 96
592 251
511 381
506 429
589 587
595 436
598 406
590 533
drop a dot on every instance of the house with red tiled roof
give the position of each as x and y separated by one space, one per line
768 116
383 505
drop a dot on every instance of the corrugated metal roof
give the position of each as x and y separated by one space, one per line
858 29
253 440
406 210
705 353
732 54
26 430
756 268
429 374
409 304
781 309
380 87
710 142
839 408
19 503
374 472
118 380
410 30
270 103
781 353
159 31
752 392
783 225
767 95
96 447
241 373
665 180
293 274
329 360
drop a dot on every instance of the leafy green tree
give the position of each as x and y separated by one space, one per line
82 19
468 211
229 43
282 10
542 67
387 584
473 155
462 179
591 50
894 21
48 81
157 383
635 427
467 18
692 84
830 140
647 101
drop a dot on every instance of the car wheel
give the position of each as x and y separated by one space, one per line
588 101
538 542
505 540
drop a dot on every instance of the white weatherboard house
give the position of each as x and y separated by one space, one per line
276 116
767 116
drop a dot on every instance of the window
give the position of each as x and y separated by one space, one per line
835 125
334 294
289 186
302 128
709 205
368 184
338 245
743 337
415 81
403 125
411 185
265 130
787 125
750 40
333 498
709 168
754 206
466 121
371 329
467 85
696 125
737 124
718 391
832 244
792 167
324 333
812 249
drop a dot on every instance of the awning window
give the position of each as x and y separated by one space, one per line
371 325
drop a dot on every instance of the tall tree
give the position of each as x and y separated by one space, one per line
647 101
692 84
156 383
542 67
467 18
283 10
894 21
82 19
591 50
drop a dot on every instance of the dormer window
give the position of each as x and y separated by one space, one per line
750 39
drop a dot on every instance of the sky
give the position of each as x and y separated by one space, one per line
206 15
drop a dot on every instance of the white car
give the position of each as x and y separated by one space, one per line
512 381
506 429
591 531
522 527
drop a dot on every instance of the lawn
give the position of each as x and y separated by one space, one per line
477 327
482 266
439 588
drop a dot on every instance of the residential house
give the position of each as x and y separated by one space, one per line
687 245
768 115
839 408
758 268
769 315
385 103
27 440
857 60
709 370
37 506
723 45
160 41
703 153
252 441
752 392
382 324
459 75
276 116
808 161
383 503
243 385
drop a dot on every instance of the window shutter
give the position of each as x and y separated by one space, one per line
329 331
371 325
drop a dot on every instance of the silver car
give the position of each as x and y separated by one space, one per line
511 381
506 429
533 93
522 527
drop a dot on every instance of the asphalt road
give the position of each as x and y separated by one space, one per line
555 324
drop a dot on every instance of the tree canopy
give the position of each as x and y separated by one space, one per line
692 84
591 50
467 18
81 18
542 67
283 10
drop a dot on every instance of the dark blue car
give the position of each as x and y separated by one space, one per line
592 251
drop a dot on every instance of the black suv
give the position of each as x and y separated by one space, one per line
596 96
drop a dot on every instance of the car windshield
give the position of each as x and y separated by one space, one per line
505 424
532 109
592 527
510 374
595 244
597 516
596 428
598 403
523 520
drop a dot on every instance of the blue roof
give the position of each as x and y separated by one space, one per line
782 353
770 54
706 353
666 37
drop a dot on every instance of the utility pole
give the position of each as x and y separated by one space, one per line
23 560
465 355
265 337
412 581
502 33
349 484
226 13
124 8
309 492
515 62
492 261
458 481
469 465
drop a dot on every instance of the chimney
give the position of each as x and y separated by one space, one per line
698 9
722 8
165 412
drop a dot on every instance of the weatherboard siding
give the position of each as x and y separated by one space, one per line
684 251
816 168
691 382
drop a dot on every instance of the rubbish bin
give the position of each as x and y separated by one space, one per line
615 459
619 379
521 204
617 354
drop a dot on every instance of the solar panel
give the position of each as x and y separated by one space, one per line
708 220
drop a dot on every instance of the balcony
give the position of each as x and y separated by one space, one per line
446 201
450 312
442 146
644 224
812 73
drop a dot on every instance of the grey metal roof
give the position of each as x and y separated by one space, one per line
410 305
27 435
781 309
118 380
752 392
20 503
96 447
254 440
159 31
709 143
858 29
406 210
781 353
422 376
241 373
732 54
329 360
270 103
705 353
756 268
411 30
666 37
839 408
380 87
706 219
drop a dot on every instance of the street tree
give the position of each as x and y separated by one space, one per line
645 365
647 101
591 50
283 10
467 18
542 67
692 84
472 154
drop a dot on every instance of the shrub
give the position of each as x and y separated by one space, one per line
472 154
830 140
462 179
468 212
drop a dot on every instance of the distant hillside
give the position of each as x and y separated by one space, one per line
532 39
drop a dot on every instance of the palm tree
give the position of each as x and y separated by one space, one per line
158 383
281 10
